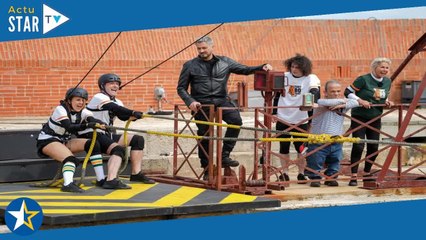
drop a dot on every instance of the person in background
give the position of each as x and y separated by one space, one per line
299 80
208 75
368 89
54 139
328 120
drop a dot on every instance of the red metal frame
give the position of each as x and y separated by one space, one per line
389 176
402 181
229 181
386 177
176 177
418 46
226 181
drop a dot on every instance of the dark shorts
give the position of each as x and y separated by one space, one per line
104 140
43 143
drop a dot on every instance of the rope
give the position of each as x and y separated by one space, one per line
96 63
86 159
56 181
52 183
156 133
216 124
152 68
310 138
126 156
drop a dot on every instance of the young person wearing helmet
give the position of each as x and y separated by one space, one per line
106 107
55 140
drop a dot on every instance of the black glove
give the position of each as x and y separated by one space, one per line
137 114
95 120
91 125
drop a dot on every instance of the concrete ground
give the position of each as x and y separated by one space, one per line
299 196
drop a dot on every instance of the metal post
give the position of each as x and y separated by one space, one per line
400 136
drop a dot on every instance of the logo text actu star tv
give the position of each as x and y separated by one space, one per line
23 19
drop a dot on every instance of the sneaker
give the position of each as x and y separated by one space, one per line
206 176
301 177
100 183
140 177
115 184
72 187
284 177
331 183
315 184
353 183
228 162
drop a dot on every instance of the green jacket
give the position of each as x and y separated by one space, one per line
369 89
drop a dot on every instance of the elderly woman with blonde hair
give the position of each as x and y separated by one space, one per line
371 88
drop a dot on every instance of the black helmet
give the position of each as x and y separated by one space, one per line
106 78
76 92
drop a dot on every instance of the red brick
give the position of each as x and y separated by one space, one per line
42 69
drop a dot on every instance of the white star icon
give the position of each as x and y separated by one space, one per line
21 215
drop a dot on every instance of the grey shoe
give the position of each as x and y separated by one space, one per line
301 178
331 183
72 187
140 177
100 183
206 176
315 184
228 162
353 183
115 184
284 177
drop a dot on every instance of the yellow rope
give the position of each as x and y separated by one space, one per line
310 138
56 182
203 122
92 145
125 161
86 159
307 137
174 135
314 138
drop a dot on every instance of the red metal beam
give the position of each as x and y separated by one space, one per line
417 47
401 132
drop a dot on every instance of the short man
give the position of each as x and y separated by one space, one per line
328 122
208 76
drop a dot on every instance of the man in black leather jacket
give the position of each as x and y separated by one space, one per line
208 76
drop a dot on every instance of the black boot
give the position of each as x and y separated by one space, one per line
227 161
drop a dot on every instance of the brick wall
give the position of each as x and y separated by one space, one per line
35 74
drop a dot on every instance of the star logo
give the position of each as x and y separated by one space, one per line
23 216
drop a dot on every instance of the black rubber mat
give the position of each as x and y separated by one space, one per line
143 200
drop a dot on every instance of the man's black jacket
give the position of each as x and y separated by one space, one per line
209 87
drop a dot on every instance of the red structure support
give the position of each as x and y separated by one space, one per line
270 83
221 179
381 181
418 46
